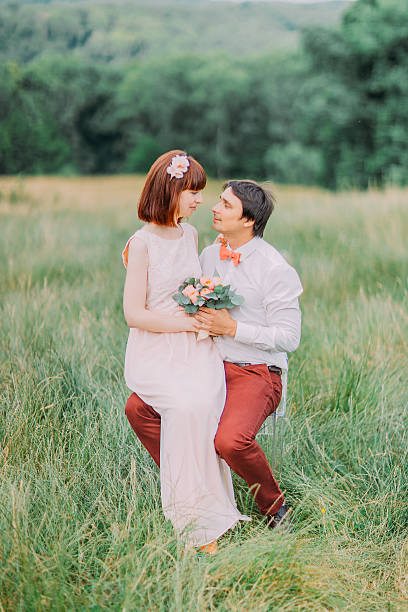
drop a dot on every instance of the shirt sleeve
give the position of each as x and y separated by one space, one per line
282 332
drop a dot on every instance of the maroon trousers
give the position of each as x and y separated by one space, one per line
253 393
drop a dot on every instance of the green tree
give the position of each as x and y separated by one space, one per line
30 140
215 108
56 114
357 94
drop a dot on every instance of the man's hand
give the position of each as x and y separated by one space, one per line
216 322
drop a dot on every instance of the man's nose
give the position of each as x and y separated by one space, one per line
215 207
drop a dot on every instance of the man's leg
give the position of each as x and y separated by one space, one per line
253 393
145 422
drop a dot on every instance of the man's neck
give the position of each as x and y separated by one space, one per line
237 241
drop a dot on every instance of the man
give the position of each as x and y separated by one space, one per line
253 339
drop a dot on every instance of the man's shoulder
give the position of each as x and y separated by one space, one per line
271 256
276 268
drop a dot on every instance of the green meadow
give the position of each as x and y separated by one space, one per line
81 526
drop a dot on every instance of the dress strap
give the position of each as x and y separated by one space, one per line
125 252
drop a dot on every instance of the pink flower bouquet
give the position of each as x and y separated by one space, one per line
206 291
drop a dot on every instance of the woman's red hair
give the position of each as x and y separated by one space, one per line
160 195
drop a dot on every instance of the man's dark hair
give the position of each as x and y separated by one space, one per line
257 203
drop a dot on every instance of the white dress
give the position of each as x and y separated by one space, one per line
184 381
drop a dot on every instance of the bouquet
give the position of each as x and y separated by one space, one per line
206 291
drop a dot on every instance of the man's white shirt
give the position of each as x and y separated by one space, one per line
269 320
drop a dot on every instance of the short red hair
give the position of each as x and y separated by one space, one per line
160 195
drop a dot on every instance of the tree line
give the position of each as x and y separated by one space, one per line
334 113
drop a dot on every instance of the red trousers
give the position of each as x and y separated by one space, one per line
253 393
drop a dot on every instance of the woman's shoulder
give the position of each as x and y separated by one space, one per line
188 229
136 243
190 234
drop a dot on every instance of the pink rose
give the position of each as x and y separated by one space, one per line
204 292
187 291
194 296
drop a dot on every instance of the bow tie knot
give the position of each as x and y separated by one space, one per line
226 253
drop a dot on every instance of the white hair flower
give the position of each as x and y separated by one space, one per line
179 166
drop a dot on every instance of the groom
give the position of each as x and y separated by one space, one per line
253 340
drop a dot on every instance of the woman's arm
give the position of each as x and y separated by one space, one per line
134 297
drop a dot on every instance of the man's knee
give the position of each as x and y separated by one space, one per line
135 407
228 446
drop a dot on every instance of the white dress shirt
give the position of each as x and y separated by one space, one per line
269 320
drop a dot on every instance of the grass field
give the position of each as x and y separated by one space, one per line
80 520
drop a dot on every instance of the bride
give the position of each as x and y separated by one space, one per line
182 379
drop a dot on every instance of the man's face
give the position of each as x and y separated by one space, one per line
228 213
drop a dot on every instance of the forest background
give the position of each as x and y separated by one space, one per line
251 89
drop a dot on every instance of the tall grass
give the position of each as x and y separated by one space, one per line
81 526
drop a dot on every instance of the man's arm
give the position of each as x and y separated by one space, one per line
282 334
280 300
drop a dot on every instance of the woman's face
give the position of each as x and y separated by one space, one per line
188 202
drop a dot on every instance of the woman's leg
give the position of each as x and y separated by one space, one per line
196 486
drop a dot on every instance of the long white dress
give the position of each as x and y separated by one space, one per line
184 381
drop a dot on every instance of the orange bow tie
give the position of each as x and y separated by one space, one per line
226 253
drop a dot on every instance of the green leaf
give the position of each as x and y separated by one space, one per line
237 300
191 308
200 301
218 289
177 297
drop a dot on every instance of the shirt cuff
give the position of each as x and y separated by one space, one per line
245 333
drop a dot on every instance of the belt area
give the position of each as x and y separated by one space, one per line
271 368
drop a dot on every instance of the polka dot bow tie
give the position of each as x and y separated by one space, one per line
226 253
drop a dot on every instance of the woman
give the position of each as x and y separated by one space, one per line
182 379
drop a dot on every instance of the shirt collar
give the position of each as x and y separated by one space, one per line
247 248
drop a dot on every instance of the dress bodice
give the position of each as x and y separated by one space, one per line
170 263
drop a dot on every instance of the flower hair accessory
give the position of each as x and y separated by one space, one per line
179 166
